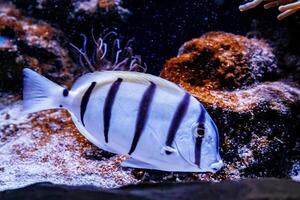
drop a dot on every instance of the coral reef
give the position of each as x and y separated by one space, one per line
27 42
287 7
257 112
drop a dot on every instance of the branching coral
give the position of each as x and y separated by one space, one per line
286 7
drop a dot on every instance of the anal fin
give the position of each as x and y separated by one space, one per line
131 162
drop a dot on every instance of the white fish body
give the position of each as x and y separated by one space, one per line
150 119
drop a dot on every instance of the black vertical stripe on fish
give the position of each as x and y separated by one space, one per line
215 130
85 100
201 119
176 121
200 135
198 144
108 104
142 115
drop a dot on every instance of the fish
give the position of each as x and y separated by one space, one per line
155 122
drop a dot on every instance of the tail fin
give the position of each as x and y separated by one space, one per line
39 93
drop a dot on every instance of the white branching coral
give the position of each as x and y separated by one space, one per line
286 7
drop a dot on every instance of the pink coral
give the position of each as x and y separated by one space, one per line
287 7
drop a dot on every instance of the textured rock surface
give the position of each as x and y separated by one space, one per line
267 189
219 60
28 42
284 42
256 112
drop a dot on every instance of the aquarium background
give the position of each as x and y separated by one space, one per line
256 110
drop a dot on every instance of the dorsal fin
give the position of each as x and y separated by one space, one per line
105 77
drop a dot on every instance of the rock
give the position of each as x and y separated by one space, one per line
267 189
256 110
283 37
31 43
227 62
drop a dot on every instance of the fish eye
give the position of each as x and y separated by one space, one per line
198 130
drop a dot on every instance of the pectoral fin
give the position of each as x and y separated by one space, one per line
137 164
